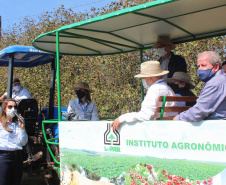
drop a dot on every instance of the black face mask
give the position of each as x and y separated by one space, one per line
176 87
80 94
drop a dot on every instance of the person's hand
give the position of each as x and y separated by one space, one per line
21 125
115 124
3 97
175 118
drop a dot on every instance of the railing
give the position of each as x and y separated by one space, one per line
49 141
52 141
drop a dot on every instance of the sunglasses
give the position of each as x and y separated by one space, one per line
11 106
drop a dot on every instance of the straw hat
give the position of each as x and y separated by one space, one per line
82 85
151 68
181 76
164 40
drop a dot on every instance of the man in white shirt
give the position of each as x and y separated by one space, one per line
18 92
152 79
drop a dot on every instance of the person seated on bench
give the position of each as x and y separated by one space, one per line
152 79
183 81
83 106
18 92
211 103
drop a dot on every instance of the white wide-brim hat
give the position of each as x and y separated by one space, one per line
181 76
150 69
82 85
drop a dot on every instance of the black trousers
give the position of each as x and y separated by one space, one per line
11 167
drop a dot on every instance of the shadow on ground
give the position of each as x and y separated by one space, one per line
34 180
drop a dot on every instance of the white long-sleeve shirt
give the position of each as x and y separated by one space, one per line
22 94
12 141
148 106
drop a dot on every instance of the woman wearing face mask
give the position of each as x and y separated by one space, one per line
182 80
12 139
83 106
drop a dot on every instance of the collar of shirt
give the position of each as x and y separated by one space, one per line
86 104
16 94
158 82
215 78
162 59
12 126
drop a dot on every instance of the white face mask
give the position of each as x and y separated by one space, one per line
146 86
161 52
11 112
17 88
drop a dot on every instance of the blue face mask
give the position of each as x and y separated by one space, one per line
205 75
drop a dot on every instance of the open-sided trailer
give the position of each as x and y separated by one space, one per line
150 152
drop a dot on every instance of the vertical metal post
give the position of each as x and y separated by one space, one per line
141 61
58 75
163 107
52 88
0 27
10 75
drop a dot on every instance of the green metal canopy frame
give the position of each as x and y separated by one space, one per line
132 29
136 28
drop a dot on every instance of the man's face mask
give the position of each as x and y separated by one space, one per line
161 52
17 88
146 86
80 94
205 75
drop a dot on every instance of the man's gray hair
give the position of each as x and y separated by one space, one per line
214 57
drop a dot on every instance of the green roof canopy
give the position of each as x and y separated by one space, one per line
138 27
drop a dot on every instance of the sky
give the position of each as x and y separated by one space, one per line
14 11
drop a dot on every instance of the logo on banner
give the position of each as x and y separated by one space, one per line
111 138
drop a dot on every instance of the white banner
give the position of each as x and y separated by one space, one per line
201 142
204 141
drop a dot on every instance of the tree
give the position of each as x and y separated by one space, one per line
116 91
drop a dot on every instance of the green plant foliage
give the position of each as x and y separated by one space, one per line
112 165
115 90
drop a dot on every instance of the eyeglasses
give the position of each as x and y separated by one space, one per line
10 106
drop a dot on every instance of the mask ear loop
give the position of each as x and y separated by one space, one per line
213 68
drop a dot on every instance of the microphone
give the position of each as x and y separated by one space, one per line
17 115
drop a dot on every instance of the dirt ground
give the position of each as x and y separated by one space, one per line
34 180
40 180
